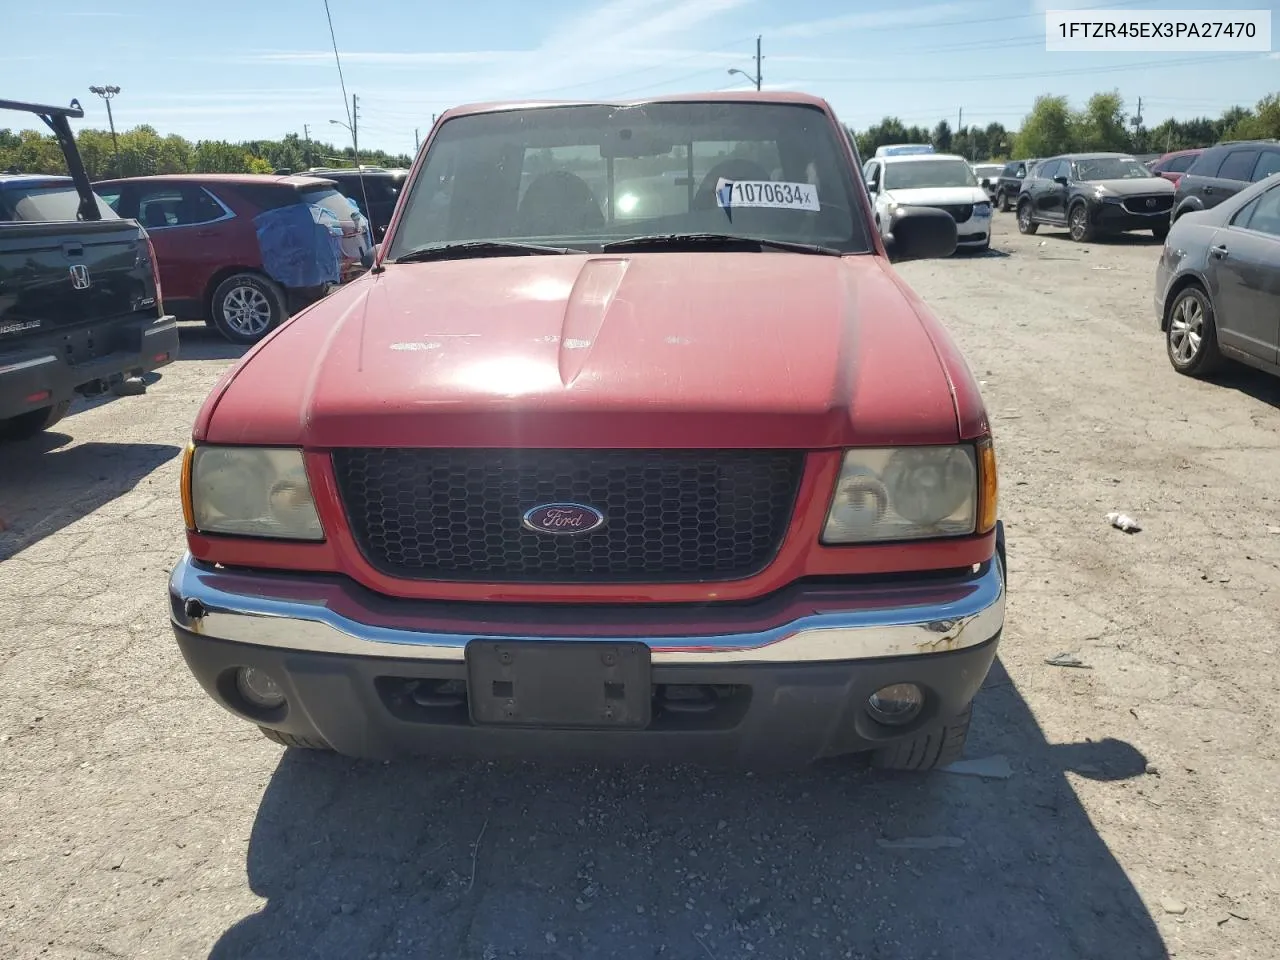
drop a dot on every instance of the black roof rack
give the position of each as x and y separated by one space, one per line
55 119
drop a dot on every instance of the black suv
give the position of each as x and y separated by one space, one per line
1010 183
1093 194
380 185
1223 171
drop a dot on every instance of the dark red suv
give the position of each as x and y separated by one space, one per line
243 251
1172 166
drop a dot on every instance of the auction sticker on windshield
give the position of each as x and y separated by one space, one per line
767 193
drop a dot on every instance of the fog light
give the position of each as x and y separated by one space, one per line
896 704
258 688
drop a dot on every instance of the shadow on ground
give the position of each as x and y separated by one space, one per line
201 342
486 861
1252 383
46 485
1142 238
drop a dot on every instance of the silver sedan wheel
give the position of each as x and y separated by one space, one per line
247 310
1186 329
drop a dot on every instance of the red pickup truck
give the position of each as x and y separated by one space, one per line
631 444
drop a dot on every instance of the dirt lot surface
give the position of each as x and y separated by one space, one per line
1140 819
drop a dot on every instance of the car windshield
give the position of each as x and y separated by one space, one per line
917 174
51 203
583 176
1112 168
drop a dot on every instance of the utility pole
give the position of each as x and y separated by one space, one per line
1137 126
106 93
355 125
960 121
306 144
759 74
416 143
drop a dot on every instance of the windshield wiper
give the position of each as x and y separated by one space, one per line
719 241
481 248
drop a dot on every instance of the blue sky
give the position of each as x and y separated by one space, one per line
239 70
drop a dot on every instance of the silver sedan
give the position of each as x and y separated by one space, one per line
1218 284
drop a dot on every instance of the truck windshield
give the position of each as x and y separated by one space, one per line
583 176
1112 168
918 174
47 203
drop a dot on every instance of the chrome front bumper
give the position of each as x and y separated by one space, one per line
804 624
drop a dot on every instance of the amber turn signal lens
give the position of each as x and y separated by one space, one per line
988 487
188 512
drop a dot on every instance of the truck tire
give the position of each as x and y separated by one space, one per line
1005 205
27 425
929 749
290 740
245 307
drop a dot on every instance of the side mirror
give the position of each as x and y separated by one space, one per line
1061 181
873 186
922 233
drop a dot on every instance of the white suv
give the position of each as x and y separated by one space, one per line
938 180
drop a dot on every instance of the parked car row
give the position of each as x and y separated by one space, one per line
1217 290
905 180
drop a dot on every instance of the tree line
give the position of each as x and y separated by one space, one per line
144 152
1053 127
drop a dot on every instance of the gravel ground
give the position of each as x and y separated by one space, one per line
1139 820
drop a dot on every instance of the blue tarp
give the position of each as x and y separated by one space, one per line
301 245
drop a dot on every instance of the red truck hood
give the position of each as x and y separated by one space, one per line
645 350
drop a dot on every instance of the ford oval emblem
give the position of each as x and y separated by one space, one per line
563 519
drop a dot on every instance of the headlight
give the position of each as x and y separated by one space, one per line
251 492
912 493
982 209
1099 192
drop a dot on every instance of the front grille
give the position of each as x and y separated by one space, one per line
960 213
670 515
1161 203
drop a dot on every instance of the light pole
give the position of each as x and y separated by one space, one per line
106 93
758 77
347 127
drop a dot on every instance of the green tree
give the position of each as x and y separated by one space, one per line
1048 128
1102 124
942 137
1263 123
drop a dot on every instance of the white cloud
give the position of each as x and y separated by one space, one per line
324 58
880 19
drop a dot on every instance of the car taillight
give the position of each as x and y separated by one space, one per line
155 274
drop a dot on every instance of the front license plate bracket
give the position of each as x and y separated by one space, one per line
544 683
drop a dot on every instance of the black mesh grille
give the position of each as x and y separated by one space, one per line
960 213
670 515
1157 204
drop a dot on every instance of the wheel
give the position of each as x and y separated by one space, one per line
1003 198
1025 223
290 740
1079 225
1191 336
1160 233
928 750
26 425
246 307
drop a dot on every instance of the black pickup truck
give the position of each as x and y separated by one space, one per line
80 307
